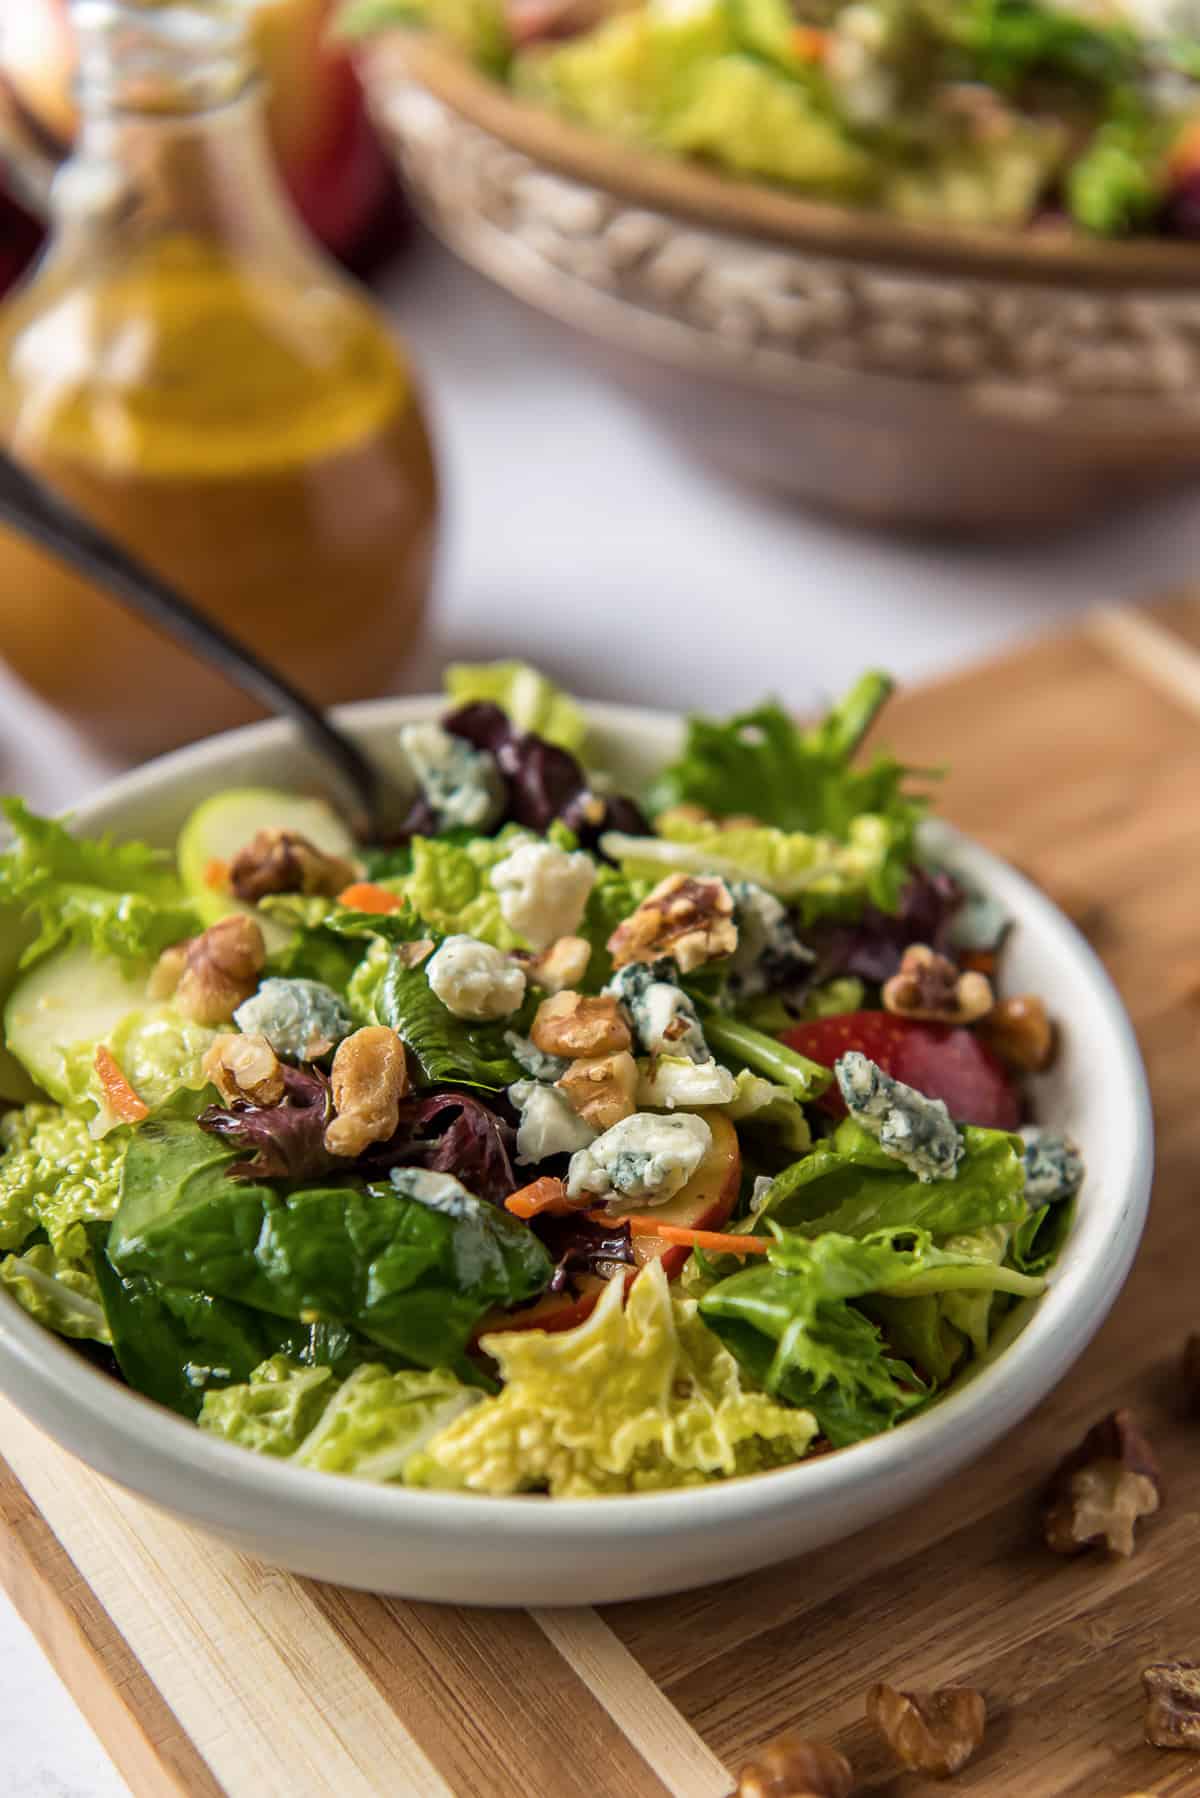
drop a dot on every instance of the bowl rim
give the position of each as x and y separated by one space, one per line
754 207
39 1370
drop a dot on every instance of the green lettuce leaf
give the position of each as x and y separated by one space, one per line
450 891
820 875
638 1397
849 1185
116 899
61 1294
274 1410
530 701
971 1312
447 1048
408 1274
1038 1239
55 1176
794 1326
762 764
739 112
379 1420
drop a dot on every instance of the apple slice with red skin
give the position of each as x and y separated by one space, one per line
705 1203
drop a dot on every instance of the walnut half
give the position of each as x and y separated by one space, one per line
369 1078
1098 1493
1173 1705
220 969
930 987
688 917
572 1024
283 861
245 1067
793 1767
601 1088
934 1732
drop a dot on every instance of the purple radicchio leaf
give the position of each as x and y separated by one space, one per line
871 946
286 1141
542 781
578 1245
449 1133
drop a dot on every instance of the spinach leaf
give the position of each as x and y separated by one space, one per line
414 1278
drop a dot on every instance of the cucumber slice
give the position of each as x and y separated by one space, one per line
224 824
60 1010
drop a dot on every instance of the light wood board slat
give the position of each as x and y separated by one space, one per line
1080 759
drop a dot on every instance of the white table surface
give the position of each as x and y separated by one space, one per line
576 538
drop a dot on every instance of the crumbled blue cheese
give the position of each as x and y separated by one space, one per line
475 980
1053 1166
661 1015
647 1157
769 956
441 1192
549 1124
534 1061
461 784
543 891
918 1131
301 1019
674 1083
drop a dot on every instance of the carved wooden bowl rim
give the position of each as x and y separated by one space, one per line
758 210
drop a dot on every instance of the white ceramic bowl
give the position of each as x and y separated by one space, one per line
473 1550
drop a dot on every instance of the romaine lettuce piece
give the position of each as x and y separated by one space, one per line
639 1397
819 874
408 1274
450 891
446 1047
792 1324
849 1185
274 1410
765 1055
379 1420
61 1294
530 701
55 1176
971 1312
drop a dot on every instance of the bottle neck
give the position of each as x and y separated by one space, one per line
172 133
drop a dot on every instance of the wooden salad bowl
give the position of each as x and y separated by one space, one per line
912 375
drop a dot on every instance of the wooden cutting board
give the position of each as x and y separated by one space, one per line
206 1674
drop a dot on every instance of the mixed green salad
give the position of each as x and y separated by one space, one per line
571 1142
978 112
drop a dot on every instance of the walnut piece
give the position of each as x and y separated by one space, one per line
601 1088
930 987
245 1067
570 1024
688 917
1173 1705
369 1078
282 861
167 972
1189 1375
220 969
932 1732
1020 1032
563 964
411 955
1098 1493
793 1767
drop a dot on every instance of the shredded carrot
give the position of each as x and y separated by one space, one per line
810 42
545 1194
364 895
646 1224
216 874
119 1096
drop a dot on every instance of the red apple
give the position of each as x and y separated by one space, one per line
333 164
705 1203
